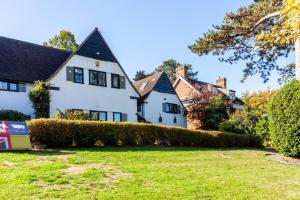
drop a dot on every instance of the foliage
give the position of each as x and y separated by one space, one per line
40 99
215 113
286 30
169 67
240 122
64 133
141 74
262 130
235 40
206 108
65 40
284 120
72 115
258 102
13 115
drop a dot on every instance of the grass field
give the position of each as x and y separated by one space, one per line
146 173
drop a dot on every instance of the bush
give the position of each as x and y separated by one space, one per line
72 115
12 115
262 130
39 96
64 133
240 122
284 113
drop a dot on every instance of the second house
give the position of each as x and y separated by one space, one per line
159 103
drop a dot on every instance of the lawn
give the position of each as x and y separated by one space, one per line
146 173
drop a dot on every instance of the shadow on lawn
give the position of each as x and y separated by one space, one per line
73 150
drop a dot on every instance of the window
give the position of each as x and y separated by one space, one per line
115 81
97 78
102 116
3 85
13 87
117 117
9 86
78 75
171 108
98 115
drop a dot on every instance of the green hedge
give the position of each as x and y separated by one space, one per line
284 119
64 133
13 115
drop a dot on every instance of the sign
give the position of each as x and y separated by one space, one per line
14 135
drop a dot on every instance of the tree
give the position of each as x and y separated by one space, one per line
206 109
141 74
169 67
65 40
40 98
242 36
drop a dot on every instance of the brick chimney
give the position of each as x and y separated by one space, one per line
181 71
221 82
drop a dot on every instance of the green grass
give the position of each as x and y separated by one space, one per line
146 173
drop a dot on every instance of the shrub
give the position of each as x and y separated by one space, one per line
40 99
284 113
240 122
262 130
63 133
12 115
72 115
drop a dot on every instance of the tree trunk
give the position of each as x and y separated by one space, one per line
297 54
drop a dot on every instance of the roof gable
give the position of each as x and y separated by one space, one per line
158 82
164 85
96 47
27 62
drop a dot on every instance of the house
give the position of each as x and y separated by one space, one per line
90 80
159 103
186 88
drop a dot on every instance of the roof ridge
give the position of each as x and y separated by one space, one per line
148 77
39 45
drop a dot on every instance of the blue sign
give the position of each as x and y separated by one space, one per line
17 128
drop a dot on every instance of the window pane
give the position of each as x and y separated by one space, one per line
117 117
94 77
102 78
94 115
13 87
102 116
78 75
3 85
115 81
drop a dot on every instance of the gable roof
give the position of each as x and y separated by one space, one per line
157 82
194 84
27 62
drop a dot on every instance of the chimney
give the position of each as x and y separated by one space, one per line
221 82
181 70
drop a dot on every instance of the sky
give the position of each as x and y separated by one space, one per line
141 33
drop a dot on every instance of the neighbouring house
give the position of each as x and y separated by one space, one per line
159 103
186 88
89 80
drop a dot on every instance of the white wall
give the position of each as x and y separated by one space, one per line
18 101
153 109
89 97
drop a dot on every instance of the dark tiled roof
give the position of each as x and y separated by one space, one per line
146 85
157 82
27 62
96 47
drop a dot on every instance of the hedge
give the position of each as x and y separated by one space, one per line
64 133
13 115
284 119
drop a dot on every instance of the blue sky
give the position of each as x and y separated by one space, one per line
141 33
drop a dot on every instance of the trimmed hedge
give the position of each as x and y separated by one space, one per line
284 119
64 133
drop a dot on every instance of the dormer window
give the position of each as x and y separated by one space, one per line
231 94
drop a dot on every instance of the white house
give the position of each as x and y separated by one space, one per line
159 103
90 79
